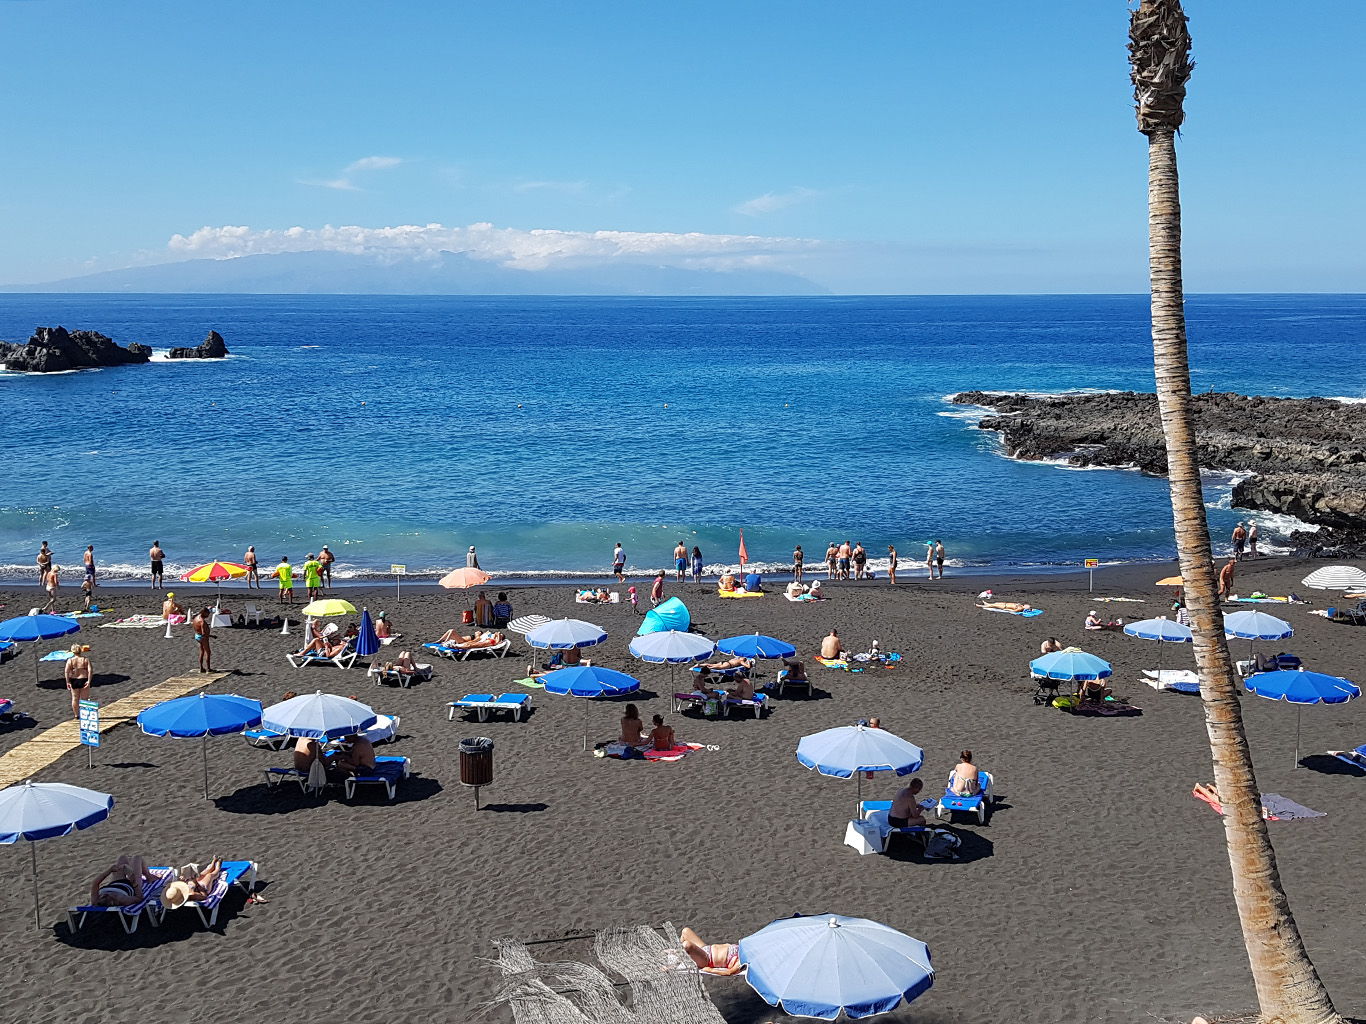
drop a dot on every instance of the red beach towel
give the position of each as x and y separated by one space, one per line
675 753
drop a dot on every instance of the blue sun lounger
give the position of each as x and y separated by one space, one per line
128 916
979 803
234 873
1356 758
759 704
389 772
268 738
875 811
486 704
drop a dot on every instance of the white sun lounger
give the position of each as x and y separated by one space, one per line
235 872
130 915
485 704
345 659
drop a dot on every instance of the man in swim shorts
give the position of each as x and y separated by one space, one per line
845 553
681 561
156 556
44 563
90 564
202 637
52 585
325 559
249 560
939 556
619 563
906 810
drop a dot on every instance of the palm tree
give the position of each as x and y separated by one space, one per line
1288 987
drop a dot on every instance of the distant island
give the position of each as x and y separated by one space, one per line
54 349
1306 457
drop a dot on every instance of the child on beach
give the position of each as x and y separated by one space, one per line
657 591
635 604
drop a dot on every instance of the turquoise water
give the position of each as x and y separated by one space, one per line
404 429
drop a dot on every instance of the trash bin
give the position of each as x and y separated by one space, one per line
476 762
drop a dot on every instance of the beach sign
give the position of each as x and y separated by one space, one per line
89 718
1091 564
398 571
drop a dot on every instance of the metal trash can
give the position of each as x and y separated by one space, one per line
476 762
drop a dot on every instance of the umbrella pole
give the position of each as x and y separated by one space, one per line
1297 736
585 725
35 661
204 742
33 851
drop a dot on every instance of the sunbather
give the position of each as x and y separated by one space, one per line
661 736
324 647
405 664
356 758
171 611
1355 756
796 671
1093 690
719 958
906 809
704 686
831 646
306 751
632 728
965 780
727 663
122 884
1007 606
816 593
487 638
741 688
797 591
1050 646
384 629
726 582
191 886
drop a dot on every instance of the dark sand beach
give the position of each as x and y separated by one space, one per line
1098 891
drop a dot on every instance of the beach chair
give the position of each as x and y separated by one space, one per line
758 705
343 659
267 738
1046 689
128 916
497 650
707 705
235 872
1356 758
252 614
979 803
276 776
785 680
486 704
878 834
389 772
380 674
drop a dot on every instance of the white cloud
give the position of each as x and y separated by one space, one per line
366 163
512 247
771 201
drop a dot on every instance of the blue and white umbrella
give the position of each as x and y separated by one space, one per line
756 647
672 647
1070 665
1336 577
27 628
1299 687
566 634
850 750
200 716
826 965
1163 630
1253 625
367 640
319 716
45 810
589 681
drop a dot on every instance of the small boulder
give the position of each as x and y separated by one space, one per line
211 347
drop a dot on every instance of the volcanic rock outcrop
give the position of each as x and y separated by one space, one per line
211 347
55 348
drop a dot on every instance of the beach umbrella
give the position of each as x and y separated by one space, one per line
464 579
589 681
1163 630
524 624
1255 625
566 634
826 965
45 810
200 716
1336 577
672 647
215 572
319 716
1070 665
850 750
322 609
37 627
1298 687
756 647
367 642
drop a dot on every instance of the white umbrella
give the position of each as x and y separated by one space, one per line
46 810
672 647
1336 577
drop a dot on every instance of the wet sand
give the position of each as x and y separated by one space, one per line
1099 890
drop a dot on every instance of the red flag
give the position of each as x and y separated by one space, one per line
744 555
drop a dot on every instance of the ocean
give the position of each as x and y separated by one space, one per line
402 429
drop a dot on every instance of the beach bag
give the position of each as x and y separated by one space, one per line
467 617
942 845
317 775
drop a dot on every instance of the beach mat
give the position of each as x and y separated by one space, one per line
1006 611
534 684
1119 600
674 753
136 622
1274 807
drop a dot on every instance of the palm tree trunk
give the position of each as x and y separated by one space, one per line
1288 987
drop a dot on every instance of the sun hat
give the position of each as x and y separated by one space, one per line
175 894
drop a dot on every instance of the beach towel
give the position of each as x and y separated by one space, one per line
535 684
1119 600
839 663
1278 808
1006 611
739 593
136 622
1259 600
802 598
82 615
1181 680
1110 707
674 753
57 656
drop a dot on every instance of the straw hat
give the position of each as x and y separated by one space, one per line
176 894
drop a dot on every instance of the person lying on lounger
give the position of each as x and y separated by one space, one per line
727 663
1007 606
121 885
796 671
458 640
191 886
1355 756
324 647
718 958
906 810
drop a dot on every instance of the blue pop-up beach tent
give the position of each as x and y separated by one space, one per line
670 614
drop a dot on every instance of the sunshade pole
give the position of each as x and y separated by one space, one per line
585 725
204 742
35 661
33 852
1298 708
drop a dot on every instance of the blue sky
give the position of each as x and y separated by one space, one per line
918 147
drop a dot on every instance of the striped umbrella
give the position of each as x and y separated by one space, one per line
215 572
1336 577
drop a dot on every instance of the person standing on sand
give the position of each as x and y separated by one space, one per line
1226 579
202 637
313 579
79 676
929 557
284 572
325 559
860 557
157 557
891 563
1251 540
249 560
1239 539
90 565
696 564
681 562
471 559
939 556
52 585
831 557
44 563
797 558
845 553
619 563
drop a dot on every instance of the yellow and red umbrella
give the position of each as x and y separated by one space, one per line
215 572
464 579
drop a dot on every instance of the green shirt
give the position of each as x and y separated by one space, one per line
313 573
286 573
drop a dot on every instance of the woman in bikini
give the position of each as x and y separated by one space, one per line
122 884
715 958
966 781
632 728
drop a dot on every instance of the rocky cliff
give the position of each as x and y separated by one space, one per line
55 348
1306 456
212 347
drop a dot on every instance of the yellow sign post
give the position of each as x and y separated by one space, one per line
398 571
1091 564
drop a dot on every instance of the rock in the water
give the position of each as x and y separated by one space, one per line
55 348
211 347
